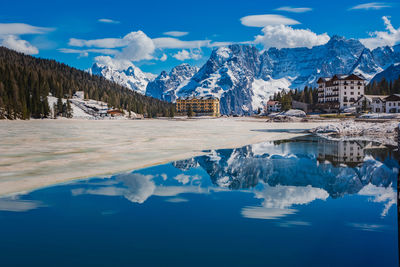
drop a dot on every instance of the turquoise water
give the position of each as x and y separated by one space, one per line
300 202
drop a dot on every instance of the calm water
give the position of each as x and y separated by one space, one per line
301 202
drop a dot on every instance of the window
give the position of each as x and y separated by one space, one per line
351 87
358 93
345 87
345 93
352 93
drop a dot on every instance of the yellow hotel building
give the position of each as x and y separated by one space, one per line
201 106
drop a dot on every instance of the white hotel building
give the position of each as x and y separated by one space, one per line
339 91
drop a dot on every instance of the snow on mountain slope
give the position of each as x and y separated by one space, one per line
244 78
166 84
129 76
262 90
228 74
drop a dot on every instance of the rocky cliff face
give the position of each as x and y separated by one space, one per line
166 84
244 78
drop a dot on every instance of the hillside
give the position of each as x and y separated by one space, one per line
26 81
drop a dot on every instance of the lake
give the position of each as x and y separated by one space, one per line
306 201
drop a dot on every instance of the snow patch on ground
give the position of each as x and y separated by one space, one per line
77 113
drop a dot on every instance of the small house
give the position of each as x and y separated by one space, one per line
272 106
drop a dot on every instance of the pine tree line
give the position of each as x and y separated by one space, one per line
383 87
26 81
307 95
61 109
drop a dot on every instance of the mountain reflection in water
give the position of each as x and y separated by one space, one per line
281 174
299 202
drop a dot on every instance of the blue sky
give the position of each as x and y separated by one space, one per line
65 31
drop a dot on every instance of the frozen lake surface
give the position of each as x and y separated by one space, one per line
300 202
39 153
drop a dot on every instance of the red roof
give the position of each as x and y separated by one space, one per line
272 103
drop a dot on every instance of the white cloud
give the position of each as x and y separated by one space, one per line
281 36
22 28
184 55
113 63
294 9
368 6
176 33
277 201
102 43
9 36
13 42
139 47
218 44
267 19
266 213
385 195
389 37
110 21
282 197
86 51
17 205
168 42
367 226
136 45
137 188
164 57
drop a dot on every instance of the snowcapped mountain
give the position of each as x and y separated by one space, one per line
165 85
390 73
244 78
131 76
229 74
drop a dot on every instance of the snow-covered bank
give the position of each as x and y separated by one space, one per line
89 109
384 132
39 153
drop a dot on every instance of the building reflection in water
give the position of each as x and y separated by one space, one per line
280 175
351 153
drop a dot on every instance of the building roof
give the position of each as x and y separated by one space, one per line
394 97
372 97
200 98
272 103
342 77
324 79
115 112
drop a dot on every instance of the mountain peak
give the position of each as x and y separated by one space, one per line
337 38
123 73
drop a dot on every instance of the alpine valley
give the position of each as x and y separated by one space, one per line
244 78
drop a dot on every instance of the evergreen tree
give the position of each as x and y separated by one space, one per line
69 109
59 107
26 81
286 102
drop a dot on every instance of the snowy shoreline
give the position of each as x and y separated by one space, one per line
380 132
